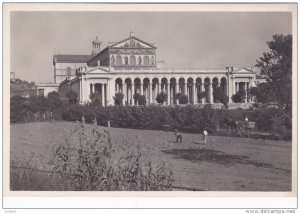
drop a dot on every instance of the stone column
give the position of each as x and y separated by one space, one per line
195 93
146 93
131 95
117 88
105 94
247 91
150 90
123 92
187 91
80 91
237 87
169 93
177 87
211 100
142 88
102 94
203 90
159 86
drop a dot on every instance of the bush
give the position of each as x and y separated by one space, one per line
220 96
96 98
72 96
119 99
161 97
239 97
183 99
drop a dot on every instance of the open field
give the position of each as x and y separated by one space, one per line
224 164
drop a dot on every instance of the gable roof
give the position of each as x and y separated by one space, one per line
129 38
71 58
242 70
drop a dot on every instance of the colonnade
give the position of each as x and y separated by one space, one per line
197 90
100 89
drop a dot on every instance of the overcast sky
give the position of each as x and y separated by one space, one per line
183 40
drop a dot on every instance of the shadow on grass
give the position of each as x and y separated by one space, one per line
217 157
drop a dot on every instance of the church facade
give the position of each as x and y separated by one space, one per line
130 67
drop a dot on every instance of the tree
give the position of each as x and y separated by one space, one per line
239 97
263 93
161 97
183 99
220 96
72 96
276 65
54 101
96 98
119 98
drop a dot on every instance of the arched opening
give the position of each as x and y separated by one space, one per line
172 90
224 85
181 86
155 89
164 83
137 89
118 85
207 90
190 88
146 89
128 93
215 85
198 90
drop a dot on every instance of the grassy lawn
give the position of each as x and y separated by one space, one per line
224 164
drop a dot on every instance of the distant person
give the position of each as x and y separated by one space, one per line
204 139
178 137
246 119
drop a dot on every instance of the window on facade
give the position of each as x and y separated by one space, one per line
69 71
119 60
140 60
132 60
146 60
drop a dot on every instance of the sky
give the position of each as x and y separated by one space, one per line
184 40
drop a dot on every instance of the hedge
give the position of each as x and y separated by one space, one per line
173 118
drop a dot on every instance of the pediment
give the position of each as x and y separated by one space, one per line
132 42
242 71
98 70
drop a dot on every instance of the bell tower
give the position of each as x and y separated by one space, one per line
96 46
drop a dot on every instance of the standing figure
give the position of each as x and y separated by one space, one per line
178 137
205 133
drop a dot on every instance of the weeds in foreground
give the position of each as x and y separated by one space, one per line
92 166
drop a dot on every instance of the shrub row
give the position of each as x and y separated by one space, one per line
180 118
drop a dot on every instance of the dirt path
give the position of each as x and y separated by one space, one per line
224 164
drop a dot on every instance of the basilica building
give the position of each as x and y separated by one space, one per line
130 67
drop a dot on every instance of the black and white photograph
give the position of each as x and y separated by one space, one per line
184 100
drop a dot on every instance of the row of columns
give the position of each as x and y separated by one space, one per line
191 90
102 92
243 86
